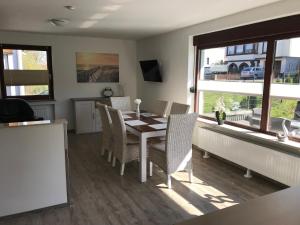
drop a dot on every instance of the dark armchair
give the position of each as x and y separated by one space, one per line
16 110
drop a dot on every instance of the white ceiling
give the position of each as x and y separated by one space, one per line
131 19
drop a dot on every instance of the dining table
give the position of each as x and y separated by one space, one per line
144 126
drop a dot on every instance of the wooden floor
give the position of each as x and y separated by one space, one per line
100 196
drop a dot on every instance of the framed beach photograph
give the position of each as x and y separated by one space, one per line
97 67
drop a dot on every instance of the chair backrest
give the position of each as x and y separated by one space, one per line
106 122
161 107
15 110
121 103
178 108
179 140
118 132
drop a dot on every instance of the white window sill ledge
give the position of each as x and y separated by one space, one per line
265 140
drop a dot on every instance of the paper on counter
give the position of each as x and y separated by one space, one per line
159 126
162 120
135 123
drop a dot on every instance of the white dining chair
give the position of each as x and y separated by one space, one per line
178 108
161 107
125 147
175 154
121 103
106 134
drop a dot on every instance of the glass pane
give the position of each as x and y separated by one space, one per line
230 50
25 72
264 47
288 110
27 90
230 63
249 48
240 49
15 59
240 109
286 69
285 87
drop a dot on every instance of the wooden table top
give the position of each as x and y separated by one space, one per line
148 120
279 208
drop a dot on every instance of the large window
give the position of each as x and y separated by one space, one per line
256 73
26 72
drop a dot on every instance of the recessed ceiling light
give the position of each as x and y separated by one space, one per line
58 22
70 7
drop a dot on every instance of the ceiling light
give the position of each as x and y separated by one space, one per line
70 7
58 22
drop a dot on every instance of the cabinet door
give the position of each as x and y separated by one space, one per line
85 114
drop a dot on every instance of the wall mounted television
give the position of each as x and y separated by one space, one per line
150 70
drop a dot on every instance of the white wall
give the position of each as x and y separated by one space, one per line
64 68
175 52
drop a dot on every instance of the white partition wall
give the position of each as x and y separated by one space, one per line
32 167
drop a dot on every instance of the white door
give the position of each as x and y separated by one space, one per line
85 114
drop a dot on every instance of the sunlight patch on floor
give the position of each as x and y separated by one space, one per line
179 200
216 197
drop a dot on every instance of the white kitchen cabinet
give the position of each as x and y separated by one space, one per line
87 117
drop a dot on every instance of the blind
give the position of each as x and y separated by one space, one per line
26 77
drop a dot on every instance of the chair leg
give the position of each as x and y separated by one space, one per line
191 175
150 168
109 156
122 169
114 162
169 182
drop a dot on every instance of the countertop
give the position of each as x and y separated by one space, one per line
32 123
279 208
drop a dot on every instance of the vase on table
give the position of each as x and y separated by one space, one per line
137 102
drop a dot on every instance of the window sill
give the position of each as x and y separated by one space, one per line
265 140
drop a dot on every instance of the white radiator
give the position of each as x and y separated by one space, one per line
279 166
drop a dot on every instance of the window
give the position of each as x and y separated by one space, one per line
249 48
260 88
26 72
234 79
285 87
230 50
239 49
264 47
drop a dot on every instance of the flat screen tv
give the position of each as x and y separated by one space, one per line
150 70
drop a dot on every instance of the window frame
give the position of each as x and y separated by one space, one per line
50 96
269 36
